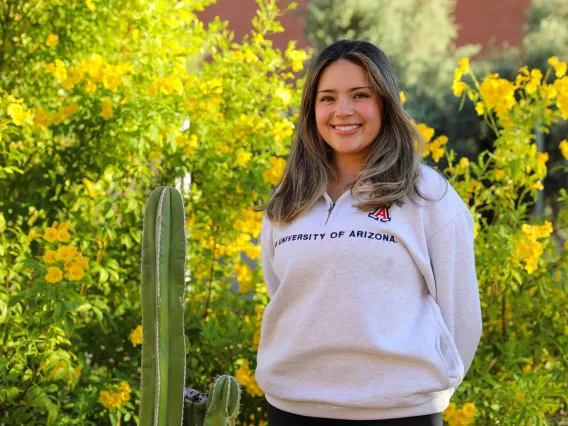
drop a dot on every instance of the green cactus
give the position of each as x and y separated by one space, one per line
164 400
223 403
162 298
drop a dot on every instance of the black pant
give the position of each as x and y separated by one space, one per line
277 417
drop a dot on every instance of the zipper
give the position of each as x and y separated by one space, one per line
333 204
329 212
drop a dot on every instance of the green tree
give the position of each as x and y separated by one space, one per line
417 36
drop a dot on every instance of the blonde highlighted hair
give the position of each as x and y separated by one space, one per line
392 166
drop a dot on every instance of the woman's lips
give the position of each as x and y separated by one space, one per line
346 132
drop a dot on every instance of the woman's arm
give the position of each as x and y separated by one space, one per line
457 294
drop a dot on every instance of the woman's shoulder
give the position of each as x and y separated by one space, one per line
442 203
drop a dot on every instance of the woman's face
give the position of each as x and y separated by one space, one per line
345 98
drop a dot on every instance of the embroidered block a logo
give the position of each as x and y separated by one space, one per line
381 214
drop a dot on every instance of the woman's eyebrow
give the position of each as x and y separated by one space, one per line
350 90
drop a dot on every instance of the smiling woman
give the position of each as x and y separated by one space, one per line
374 311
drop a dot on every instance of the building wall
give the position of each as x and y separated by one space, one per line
486 21
479 21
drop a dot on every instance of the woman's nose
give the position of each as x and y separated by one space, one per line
344 107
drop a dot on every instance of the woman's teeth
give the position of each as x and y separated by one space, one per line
346 128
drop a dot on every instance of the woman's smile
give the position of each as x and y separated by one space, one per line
347 130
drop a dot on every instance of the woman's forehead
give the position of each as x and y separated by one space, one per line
342 75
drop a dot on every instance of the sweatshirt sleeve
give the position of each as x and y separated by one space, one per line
457 294
267 255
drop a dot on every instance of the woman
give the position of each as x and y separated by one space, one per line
374 315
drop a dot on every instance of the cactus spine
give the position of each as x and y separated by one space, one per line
162 298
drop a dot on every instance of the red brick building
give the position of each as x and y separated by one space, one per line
479 21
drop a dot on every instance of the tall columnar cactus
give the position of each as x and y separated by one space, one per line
164 400
162 297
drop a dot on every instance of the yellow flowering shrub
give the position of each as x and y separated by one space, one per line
107 102
519 375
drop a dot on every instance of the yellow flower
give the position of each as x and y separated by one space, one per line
284 95
124 392
75 272
243 157
527 368
90 5
464 162
49 256
54 274
462 418
68 84
50 235
560 69
426 132
256 340
546 229
450 410
41 118
537 185
549 91
250 57
562 103
564 148
275 171
18 113
469 409
458 87
553 61
499 174
59 71
297 57
63 235
402 97
438 153
31 234
258 38
90 87
253 252
106 112
136 336
497 93
542 157
464 65
52 40
65 253
480 108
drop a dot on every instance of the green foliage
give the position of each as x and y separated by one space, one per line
102 102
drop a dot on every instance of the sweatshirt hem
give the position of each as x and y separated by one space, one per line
435 405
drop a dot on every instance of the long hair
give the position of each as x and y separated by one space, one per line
392 166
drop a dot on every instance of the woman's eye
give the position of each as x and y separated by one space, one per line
364 95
